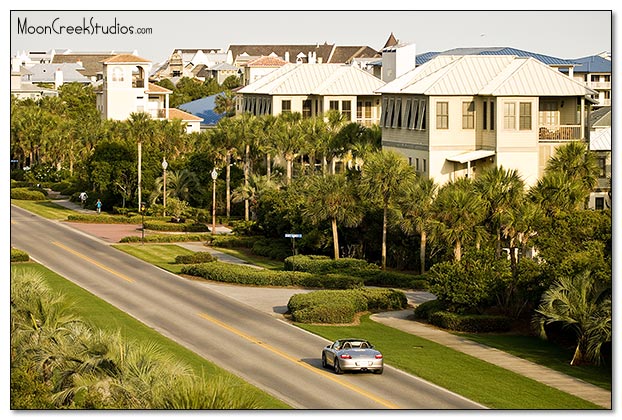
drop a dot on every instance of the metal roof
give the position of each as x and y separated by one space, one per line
471 156
600 140
315 79
486 75
592 64
203 108
45 73
546 59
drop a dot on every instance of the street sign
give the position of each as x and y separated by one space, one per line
293 235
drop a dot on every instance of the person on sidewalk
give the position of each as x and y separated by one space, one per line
83 198
99 206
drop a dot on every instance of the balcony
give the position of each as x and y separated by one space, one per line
599 85
560 132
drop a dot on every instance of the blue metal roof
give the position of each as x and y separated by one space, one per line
203 108
592 64
548 60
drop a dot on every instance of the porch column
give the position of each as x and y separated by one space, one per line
582 118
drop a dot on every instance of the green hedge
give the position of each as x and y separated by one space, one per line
340 306
164 226
105 218
272 248
320 264
471 323
186 237
196 258
232 273
27 194
17 255
233 241
426 309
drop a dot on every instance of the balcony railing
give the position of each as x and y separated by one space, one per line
599 85
560 132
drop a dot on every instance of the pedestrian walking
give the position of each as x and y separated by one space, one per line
99 206
83 197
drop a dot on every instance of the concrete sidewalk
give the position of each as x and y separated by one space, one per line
577 387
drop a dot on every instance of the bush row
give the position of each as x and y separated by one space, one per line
17 255
371 274
186 237
434 311
232 273
471 323
320 264
340 306
196 258
272 248
233 241
104 218
27 194
164 226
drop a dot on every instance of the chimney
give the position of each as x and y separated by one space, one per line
58 78
286 58
79 63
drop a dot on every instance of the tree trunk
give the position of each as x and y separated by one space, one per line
578 358
247 155
498 248
384 237
228 182
458 250
424 239
335 238
324 164
268 166
289 170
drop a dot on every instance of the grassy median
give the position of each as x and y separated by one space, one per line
106 317
465 375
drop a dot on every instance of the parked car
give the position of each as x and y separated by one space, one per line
352 354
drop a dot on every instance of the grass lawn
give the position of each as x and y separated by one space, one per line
48 209
106 317
475 379
258 260
546 354
161 255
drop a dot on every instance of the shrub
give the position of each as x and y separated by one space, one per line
232 273
17 255
233 241
340 306
322 264
196 258
104 218
188 237
471 323
164 226
272 248
27 194
426 309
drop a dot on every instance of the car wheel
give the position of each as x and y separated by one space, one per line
379 371
336 366
324 364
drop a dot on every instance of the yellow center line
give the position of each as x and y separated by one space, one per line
299 362
92 261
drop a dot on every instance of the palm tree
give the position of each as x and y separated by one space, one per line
576 162
416 209
502 190
458 209
384 179
332 198
225 103
289 137
140 130
225 140
582 305
252 191
245 128
556 193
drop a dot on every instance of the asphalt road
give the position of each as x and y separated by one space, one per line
267 352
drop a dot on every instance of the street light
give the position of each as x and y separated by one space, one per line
214 176
164 166
142 212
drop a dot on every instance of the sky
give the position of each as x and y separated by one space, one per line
559 33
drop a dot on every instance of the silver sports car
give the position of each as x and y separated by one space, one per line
352 354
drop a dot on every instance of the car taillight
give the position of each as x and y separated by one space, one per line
346 356
379 356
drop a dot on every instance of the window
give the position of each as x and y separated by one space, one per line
602 166
306 108
442 115
492 115
407 113
368 110
346 110
333 105
524 116
117 74
359 110
607 78
425 166
599 203
413 112
468 115
410 161
607 94
389 120
417 164
595 78
485 116
509 115
397 114
384 111
286 107
421 121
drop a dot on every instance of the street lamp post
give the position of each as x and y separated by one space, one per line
142 213
140 160
164 166
214 176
